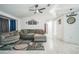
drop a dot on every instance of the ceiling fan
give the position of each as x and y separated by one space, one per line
37 9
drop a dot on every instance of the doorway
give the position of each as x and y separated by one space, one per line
50 35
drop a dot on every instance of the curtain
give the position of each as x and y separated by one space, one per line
4 25
0 25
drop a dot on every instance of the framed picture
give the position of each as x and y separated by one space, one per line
32 22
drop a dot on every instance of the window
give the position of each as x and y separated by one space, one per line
12 25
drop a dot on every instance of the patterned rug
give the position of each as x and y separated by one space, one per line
34 46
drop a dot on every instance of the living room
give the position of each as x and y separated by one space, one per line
39 28
23 32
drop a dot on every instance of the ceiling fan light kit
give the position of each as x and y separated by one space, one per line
38 10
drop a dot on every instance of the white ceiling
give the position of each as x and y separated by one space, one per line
22 10
61 9
19 10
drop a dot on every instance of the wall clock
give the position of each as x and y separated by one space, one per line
71 20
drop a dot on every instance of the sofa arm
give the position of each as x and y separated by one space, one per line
4 35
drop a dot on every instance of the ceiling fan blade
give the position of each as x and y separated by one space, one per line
36 5
35 12
48 5
40 11
31 10
42 8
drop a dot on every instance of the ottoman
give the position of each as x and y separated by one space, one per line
39 38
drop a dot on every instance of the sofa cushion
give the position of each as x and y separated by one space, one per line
36 31
5 35
25 31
